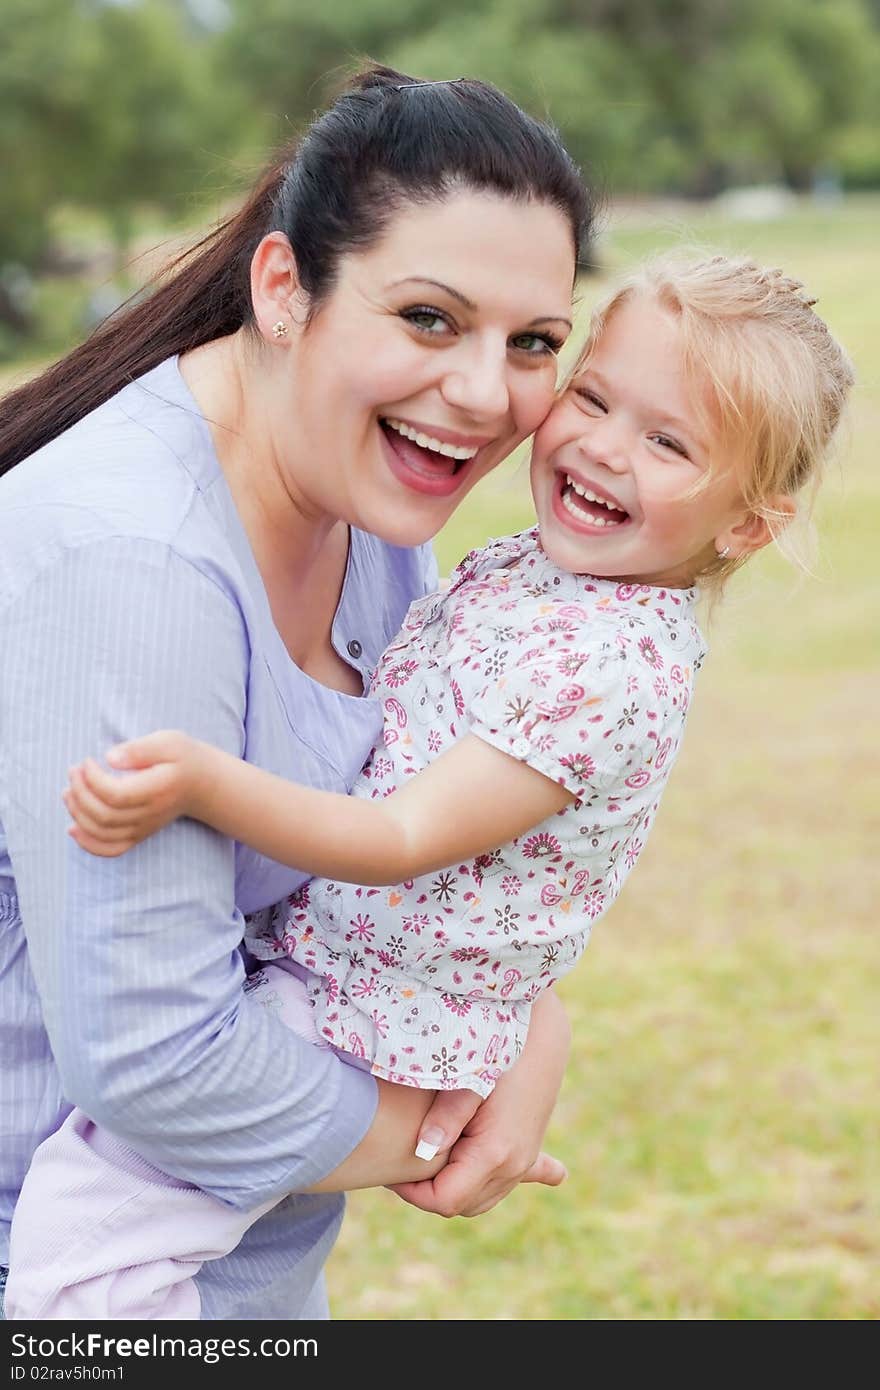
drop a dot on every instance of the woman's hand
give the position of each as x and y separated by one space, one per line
500 1146
112 813
444 1122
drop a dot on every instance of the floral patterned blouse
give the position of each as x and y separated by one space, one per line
588 681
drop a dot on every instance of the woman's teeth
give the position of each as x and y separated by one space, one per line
425 441
578 509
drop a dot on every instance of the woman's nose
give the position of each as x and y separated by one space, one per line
478 384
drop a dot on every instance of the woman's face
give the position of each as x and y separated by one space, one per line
432 358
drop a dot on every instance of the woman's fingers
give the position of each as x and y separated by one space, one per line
471 1185
449 1113
546 1169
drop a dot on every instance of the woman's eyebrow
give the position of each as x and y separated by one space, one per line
438 285
469 303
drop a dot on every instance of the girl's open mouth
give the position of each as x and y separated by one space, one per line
580 507
424 463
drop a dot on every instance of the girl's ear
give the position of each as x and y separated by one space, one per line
756 530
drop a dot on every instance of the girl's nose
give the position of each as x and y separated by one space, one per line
606 443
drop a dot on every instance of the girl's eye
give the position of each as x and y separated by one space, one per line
591 399
426 319
666 443
537 344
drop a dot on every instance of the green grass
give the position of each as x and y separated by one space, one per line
719 1116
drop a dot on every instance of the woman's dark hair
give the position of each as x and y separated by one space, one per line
387 142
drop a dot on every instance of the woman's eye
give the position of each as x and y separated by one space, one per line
536 344
427 320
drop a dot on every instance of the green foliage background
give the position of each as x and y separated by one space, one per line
113 105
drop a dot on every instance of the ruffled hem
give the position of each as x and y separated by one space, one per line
408 1032
462 1051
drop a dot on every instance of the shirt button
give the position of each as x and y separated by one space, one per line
354 648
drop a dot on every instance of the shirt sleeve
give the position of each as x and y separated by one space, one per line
136 959
581 712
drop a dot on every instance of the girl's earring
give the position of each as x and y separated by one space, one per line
279 329
723 554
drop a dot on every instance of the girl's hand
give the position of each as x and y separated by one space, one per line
113 813
500 1146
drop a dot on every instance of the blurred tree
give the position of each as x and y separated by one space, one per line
119 109
158 126
137 102
44 117
654 94
290 55
576 76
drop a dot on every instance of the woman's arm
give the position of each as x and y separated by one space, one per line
470 800
135 961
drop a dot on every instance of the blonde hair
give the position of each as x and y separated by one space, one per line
777 379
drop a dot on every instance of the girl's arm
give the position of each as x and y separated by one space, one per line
470 800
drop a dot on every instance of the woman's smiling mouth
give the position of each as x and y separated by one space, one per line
426 458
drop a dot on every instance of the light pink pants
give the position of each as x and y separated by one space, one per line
98 1232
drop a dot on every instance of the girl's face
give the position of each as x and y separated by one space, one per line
432 358
614 461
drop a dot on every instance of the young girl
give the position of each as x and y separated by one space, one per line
532 713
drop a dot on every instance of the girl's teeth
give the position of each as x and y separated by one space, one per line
583 516
591 496
425 441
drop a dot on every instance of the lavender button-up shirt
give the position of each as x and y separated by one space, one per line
130 601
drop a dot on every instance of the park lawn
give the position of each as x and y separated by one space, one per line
719 1115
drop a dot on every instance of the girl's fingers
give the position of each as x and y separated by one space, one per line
90 808
102 848
134 793
109 835
89 811
121 793
163 746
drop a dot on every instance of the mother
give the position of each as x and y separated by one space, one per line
219 519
